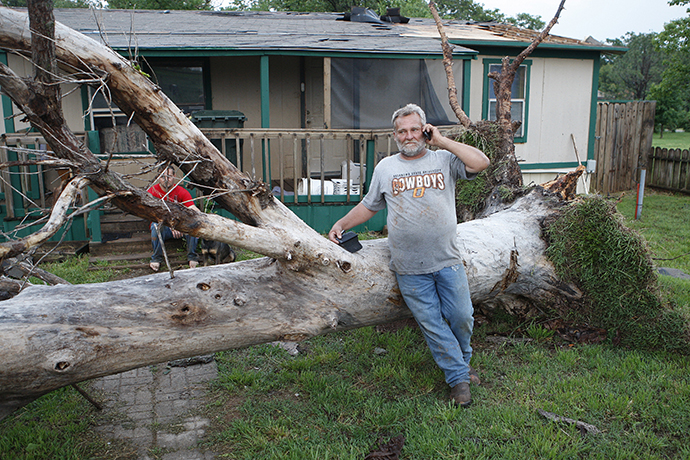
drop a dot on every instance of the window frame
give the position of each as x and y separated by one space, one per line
203 62
527 64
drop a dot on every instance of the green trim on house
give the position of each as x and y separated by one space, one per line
93 219
75 232
593 110
265 94
466 83
561 165
487 62
214 52
7 110
15 178
85 107
543 50
321 217
265 114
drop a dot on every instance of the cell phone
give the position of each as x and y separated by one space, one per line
427 135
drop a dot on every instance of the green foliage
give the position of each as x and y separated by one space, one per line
527 21
672 107
630 76
471 195
589 245
538 332
673 92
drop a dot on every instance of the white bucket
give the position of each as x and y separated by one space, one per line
315 187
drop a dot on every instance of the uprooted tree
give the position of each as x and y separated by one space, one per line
53 336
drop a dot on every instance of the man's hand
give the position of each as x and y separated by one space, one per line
357 215
176 234
335 233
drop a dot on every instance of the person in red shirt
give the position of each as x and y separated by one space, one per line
168 190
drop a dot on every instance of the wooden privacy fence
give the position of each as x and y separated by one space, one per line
669 169
623 142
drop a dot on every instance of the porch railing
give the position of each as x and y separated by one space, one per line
302 166
305 166
23 186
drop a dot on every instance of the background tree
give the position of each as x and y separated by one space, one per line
673 92
467 10
631 75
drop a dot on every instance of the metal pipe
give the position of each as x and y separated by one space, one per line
640 194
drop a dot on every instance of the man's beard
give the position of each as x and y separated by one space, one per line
411 148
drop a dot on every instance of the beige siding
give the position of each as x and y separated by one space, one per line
72 107
23 68
559 104
236 85
71 101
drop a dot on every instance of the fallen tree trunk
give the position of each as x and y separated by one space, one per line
53 336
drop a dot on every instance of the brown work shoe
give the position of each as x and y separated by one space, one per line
474 377
460 394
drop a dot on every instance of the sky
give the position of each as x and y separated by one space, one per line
600 19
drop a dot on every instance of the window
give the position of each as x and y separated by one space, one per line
184 81
519 95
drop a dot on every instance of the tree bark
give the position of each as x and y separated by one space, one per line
448 66
53 336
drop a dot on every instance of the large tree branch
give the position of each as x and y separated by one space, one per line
448 66
58 217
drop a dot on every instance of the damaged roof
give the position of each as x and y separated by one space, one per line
254 31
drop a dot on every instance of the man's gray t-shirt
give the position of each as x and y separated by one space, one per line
420 195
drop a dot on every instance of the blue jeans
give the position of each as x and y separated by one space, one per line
441 304
166 233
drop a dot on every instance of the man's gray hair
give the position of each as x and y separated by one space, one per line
409 109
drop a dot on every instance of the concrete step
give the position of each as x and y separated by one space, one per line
138 242
52 251
136 260
121 223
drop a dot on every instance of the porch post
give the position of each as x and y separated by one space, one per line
265 117
466 76
265 97
327 93
14 203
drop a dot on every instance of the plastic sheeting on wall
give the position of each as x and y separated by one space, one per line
366 92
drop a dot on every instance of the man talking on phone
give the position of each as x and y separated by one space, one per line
417 185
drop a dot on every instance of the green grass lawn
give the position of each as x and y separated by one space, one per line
672 140
346 391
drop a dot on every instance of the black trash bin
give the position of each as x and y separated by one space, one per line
222 119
